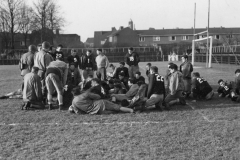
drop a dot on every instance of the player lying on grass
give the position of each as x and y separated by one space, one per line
15 94
130 94
176 87
91 103
226 90
201 88
137 101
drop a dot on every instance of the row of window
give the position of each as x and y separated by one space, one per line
184 38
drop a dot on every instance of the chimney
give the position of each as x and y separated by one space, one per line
57 31
113 28
121 28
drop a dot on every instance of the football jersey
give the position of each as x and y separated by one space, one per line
201 85
58 55
225 90
156 84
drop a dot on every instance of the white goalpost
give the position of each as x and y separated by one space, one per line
210 48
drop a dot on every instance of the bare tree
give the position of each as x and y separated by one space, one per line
41 8
55 20
26 23
11 11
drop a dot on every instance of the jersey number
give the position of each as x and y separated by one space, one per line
200 80
159 78
131 58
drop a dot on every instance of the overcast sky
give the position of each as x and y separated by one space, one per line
86 16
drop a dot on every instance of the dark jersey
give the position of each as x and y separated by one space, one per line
201 86
122 70
88 62
132 59
225 91
58 55
156 85
74 59
141 78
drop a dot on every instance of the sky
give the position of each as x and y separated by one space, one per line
83 17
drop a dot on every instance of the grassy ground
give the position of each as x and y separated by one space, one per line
202 130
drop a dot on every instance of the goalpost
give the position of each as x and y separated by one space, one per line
210 48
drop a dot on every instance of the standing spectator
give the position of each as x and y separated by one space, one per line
32 94
56 79
27 60
132 59
102 65
58 53
88 64
186 68
176 87
122 69
74 58
148 66
41 60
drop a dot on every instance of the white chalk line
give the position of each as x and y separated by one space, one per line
111 123
89 123
204 117
222 104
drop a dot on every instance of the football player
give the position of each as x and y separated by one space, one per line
201 88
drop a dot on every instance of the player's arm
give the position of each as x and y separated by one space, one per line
94 96
107 62
137 58
150 85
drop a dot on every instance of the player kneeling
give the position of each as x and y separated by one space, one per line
176 87
201 88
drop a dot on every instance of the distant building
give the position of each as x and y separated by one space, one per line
168 36
89 43
68 40
129 36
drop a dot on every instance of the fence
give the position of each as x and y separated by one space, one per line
221 55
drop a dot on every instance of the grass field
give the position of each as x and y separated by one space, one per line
202 130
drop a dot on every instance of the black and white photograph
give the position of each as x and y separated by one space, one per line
119 79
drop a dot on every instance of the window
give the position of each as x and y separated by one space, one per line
22 43
185 37
217 37
110 39
103 42
172 38
141 39
229 36
156 38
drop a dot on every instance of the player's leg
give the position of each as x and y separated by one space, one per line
50 89
153 100
130 72
59 88
109 106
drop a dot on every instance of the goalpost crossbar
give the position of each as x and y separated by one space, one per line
210 50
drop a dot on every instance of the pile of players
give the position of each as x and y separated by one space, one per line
46 75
